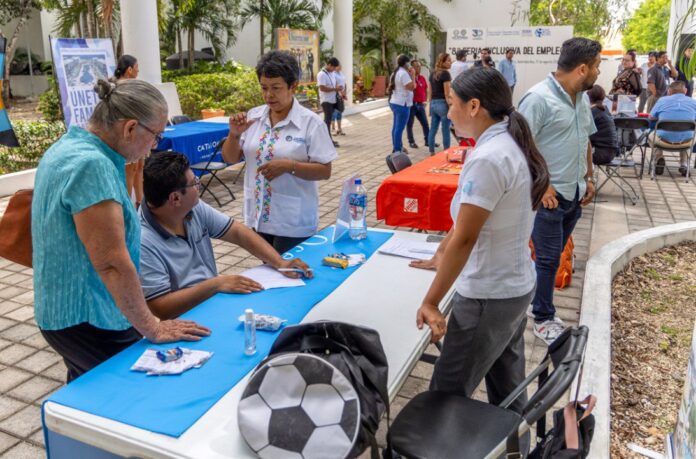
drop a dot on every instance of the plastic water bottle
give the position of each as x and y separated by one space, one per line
358 209
249 332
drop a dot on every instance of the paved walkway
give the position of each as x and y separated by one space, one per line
30 370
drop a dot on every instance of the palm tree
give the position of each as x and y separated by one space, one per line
388 24
292 14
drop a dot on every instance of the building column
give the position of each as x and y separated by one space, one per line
141 37
343 42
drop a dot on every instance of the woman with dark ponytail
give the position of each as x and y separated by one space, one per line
401 84
127 68
486 253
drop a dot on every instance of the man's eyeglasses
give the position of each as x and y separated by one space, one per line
158 137
196 183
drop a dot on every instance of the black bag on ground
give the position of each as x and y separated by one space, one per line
553 444
321 380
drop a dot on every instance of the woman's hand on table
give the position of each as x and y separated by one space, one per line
276 167
169 331
295 264
237 284
430 314
239 123
431 264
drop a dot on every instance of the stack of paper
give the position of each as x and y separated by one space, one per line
409 248
149 363
269 277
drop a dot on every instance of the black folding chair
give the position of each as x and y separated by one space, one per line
673 126
212 168
442 425
398 161
633 134
180 119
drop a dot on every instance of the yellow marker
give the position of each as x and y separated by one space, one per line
335 262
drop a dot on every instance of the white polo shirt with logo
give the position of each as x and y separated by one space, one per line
287 205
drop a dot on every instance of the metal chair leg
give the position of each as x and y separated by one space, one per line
206 187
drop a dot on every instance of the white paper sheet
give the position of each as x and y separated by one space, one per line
270 278
408 248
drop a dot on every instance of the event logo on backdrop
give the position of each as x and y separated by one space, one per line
304 45
536 49
78 64
7 135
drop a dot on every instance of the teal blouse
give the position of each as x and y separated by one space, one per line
75 173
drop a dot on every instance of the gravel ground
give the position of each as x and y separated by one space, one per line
653 312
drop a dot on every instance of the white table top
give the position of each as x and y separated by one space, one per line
383 294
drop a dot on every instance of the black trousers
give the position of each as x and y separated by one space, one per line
85 346
328 109
417 112
282 243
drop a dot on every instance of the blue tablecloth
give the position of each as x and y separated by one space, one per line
171 404
197 139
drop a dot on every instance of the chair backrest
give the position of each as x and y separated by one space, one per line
566 354
631 123
218 149
180 119
675 126
398 161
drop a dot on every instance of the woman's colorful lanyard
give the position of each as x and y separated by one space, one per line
264 153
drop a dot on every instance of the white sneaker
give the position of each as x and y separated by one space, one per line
549 330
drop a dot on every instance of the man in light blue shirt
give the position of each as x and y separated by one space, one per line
559 116
508 69
676 106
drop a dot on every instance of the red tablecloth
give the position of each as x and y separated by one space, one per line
416 198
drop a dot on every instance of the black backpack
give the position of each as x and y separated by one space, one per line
334 355
552 445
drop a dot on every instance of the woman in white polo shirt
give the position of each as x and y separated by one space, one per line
486 254
287 149
401 85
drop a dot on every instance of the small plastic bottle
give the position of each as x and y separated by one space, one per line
249 332
358 211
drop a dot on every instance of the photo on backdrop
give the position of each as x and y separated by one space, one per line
304 45
79 63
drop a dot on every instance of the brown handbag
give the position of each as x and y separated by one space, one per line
15 229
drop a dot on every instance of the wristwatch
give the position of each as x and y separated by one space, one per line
590 179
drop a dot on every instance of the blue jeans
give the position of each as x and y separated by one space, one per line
438 114
552 228
417 112
401 113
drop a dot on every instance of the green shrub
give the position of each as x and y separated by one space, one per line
231 92
49 102
202 67
34 139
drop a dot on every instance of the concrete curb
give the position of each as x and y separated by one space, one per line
595 313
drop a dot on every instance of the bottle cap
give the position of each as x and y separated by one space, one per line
358 181
248 314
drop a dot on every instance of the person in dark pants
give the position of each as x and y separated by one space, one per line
561 121
486 254
420 97
328 92
89 304
605 143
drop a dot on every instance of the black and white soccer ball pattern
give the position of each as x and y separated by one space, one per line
299 406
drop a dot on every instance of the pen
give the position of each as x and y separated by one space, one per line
426 251
293 270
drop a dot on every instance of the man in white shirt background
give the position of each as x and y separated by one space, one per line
509 70
460 64
328 90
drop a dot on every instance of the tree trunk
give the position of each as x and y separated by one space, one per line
383 50
191 32
25 6
181 48
90 19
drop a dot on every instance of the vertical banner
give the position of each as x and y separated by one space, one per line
536 49
78 63
304 45
7 135
683 441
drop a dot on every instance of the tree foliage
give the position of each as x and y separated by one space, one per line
589 18
647 29
387 25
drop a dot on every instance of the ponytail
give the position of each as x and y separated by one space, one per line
491 89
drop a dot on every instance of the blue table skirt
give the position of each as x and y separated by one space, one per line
197 139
